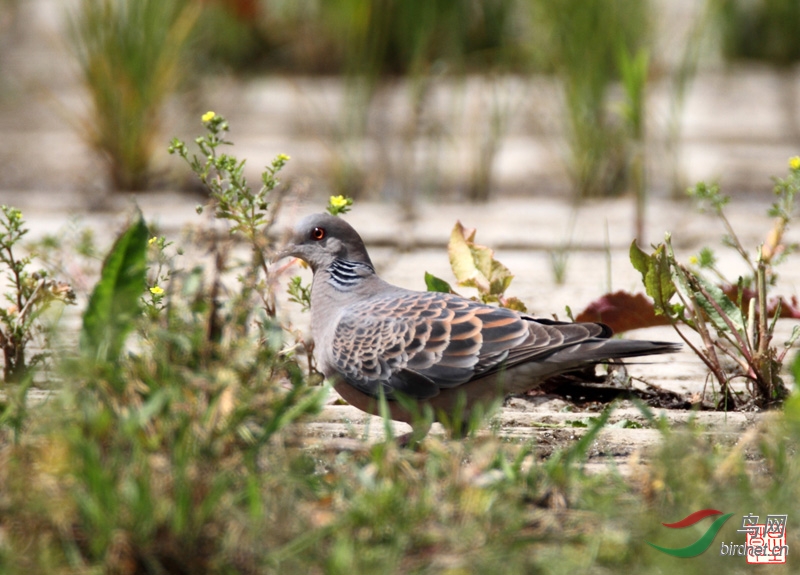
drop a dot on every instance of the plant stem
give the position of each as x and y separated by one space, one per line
709 354
764 335
735 240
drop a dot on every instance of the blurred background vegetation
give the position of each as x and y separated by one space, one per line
432 89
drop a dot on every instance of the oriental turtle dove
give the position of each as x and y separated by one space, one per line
433 348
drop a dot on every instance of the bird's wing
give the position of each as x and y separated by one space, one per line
546 337
419 342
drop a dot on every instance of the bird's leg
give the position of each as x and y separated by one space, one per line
413 439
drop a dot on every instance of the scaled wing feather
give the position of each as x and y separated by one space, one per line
417 343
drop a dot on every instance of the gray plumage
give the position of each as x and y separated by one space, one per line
430 346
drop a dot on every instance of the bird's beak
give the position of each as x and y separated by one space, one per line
285 252
289 251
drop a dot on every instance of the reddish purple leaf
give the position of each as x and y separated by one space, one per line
623 311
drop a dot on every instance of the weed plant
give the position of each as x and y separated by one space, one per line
734 319
24 317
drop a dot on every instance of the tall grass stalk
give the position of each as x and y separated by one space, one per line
131 58
583 40
634 70
681 80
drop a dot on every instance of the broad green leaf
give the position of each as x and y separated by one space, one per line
660 277
432 283
640 260
730 309
115 300
656 275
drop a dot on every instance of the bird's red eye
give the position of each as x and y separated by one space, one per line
318 234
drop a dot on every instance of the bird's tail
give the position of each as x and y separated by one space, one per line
583 355
599 350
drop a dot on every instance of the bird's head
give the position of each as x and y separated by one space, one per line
319 239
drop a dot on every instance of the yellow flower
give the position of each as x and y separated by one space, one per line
284 157
156 290
208 116
794 163
339 201
152 240
694 260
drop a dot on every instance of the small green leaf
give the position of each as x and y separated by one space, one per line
115 300
640 260
627 424
576 423
709 195
432 283
793 338
707 258
729 309
299 293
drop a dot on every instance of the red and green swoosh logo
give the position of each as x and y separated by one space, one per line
701 544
